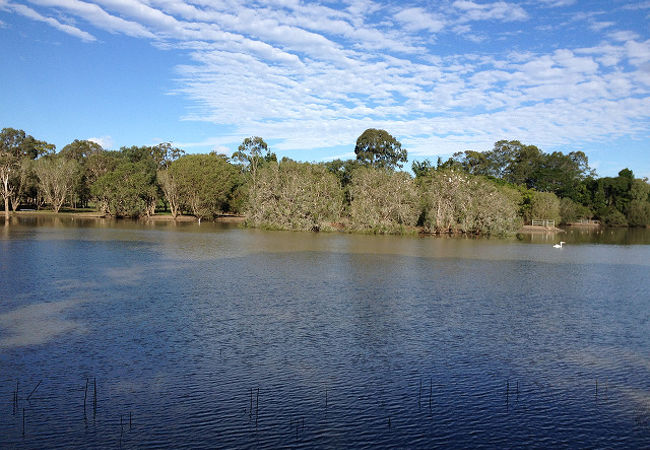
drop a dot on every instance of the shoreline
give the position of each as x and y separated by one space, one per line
224 218
238 219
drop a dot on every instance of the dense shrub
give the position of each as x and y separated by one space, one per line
544 205
382 201
638 213
612 217
294 196
129 190
571 211
456 202
203 183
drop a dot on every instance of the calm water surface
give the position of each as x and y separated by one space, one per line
213 336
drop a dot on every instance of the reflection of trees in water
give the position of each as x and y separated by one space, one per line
617 236
587 235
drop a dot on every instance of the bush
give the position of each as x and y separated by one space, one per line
456 202
204 183
612 217
130 190
294 196
544 205
638 213
571 211
382 201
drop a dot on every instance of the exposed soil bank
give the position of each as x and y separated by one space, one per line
534 229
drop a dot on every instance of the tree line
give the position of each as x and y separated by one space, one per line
576 191
489 193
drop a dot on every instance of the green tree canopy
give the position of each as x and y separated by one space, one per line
16 147
203 183
378 149
544 205
252 154
21 145
80 150
129 189
563 174
422 168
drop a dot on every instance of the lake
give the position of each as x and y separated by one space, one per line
161 335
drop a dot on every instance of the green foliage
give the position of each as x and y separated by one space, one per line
528 166
80 150
571 211
203 183
17 147
252 154
623 194
164 154
294 196
456 202
100 163
612 217
378 149
170 190
640 190
472 162
383 201
638 213
544 205
239 198
422 168
343 169
471 192
21 145
161 155
129 190
638 209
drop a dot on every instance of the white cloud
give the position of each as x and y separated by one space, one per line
598 26
623 36
31 14
342 156
490 11
105 141
637 5
98 17
557 3
307 75
638 52
416 19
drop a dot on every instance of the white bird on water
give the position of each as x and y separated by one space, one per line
559 245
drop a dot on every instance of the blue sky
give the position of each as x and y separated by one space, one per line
309 77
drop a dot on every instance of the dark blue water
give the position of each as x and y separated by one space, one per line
217 337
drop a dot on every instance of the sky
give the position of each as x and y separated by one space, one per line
310 76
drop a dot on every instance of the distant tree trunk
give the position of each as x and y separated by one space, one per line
173 208
5 192
151 209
